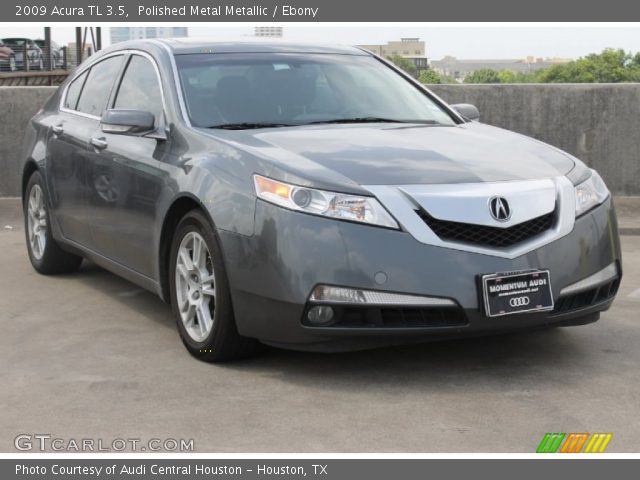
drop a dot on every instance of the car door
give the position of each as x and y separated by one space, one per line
125 175
68 146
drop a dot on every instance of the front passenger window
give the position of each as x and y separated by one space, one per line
96 91
139 88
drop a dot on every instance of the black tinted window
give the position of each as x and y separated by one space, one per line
73 92
299 89
97 88
139 88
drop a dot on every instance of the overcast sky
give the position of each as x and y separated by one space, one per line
461 42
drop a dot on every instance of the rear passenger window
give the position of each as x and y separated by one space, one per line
95 94
139 89
73 92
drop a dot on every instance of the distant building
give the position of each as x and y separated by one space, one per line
273 32
72 49
412 48
459 69
121 34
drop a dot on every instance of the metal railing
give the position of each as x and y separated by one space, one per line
25 61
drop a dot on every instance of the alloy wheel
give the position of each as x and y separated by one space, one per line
195 286
37 222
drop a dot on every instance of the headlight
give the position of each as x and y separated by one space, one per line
590 193
340 206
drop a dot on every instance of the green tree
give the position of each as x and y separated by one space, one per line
526 77
507 76
430 76
608 66
404 63
484 75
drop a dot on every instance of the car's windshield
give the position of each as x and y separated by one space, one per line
252 90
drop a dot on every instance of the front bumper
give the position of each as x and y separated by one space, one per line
273 272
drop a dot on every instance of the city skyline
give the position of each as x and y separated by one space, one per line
121 34
469 42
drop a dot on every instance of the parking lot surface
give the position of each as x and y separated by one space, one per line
90 355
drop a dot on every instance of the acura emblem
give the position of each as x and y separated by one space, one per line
499 209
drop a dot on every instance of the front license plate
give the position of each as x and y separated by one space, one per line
517 292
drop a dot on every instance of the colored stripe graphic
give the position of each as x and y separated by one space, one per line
550 442
598 443
574 443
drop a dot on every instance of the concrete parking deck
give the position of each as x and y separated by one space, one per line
90 355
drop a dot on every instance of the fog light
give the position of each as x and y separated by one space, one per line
320 315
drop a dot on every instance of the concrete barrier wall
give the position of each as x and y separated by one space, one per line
17 106
599 124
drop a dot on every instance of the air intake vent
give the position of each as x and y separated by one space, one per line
587 298
487 236
396 317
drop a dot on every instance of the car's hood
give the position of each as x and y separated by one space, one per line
393 154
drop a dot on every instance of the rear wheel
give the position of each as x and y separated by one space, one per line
200 294
44 252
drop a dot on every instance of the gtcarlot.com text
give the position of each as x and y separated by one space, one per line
45 442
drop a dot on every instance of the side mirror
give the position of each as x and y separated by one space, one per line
468 111
125 121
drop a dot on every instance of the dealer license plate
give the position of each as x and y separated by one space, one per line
517 292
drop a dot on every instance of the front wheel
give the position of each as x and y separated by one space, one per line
44 252
200 294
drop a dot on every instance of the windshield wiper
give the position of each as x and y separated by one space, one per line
249 125
371 120
256 125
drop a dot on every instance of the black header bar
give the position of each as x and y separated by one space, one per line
265 11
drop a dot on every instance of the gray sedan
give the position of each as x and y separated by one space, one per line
309 197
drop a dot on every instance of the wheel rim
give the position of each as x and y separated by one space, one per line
195 286
37 222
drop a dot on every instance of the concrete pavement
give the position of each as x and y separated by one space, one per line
90 355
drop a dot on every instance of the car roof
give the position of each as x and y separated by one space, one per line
191 45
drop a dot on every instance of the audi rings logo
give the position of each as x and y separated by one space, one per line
519 301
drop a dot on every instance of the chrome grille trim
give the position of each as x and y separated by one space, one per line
403 207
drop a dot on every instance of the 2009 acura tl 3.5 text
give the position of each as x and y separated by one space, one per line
309 197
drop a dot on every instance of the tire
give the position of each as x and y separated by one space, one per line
200 294
44 252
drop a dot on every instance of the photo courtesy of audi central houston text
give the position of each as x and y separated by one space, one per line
311 197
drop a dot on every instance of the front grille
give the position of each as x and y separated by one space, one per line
485 235
587 298
396 317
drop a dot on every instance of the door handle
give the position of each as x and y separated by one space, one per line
57 129
99 143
